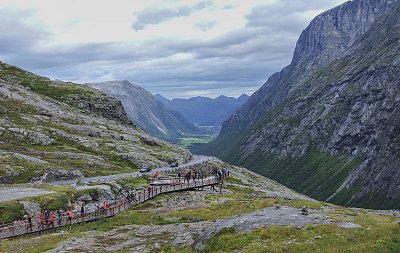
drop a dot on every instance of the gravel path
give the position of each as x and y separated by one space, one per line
8 194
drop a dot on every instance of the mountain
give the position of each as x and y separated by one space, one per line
204 111
52 130
327 125
147 113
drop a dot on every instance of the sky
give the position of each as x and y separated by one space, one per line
178 48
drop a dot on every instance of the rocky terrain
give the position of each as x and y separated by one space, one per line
204 111
327 124
50 130
147 113
248 214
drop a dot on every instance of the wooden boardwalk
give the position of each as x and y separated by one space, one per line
19 228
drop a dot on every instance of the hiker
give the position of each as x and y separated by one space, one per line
82 211
59 215
277 205
29 226
51 219
46 217
104 206
69 215
156 175
41 219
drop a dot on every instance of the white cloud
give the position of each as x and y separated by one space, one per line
176 48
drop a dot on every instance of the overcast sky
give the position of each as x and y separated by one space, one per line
177 48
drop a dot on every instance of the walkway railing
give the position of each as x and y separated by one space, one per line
21 227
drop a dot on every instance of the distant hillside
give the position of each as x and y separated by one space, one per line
204 111
146 112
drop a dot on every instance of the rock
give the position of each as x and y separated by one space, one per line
31 207
348 225
287 216
183 239
29 158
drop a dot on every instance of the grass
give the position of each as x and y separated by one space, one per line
316 174
382 236
10 211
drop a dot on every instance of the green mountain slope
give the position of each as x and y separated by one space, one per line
51 130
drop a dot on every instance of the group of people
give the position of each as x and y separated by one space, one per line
47 218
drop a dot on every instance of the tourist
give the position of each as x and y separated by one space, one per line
104 206
69 215
46 217
82 211
29 226
51 219
59 215
41 219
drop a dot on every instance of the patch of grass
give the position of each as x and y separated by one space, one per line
133 182
10 211
316 174
233 180
32 244
380 238
222 210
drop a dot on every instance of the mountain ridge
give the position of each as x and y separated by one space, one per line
147 112
304 130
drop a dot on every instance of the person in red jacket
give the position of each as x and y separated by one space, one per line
51 219
104 206
69 215
41 219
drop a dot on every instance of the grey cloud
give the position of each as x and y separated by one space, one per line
153 16
15 34
205 26
239 60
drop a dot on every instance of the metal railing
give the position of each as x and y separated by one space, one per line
19 228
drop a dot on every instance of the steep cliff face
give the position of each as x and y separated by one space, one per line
146 112
326 125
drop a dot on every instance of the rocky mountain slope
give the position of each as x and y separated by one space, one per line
54 130
248 214
147 113
203 111
327 124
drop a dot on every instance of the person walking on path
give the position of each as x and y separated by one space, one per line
59 215
51 219
41 220
29 226
69 215
46 217
104 206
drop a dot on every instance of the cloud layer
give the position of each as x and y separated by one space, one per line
202 48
